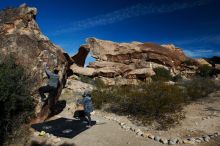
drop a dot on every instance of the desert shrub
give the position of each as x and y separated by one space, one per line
99 83
199 88
205 70
86 79
16 104
154 103
189 62
100 94
99 98
177 78
145 101
161 74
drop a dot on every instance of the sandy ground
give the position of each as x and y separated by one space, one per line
202 117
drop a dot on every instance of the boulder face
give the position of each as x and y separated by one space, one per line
128 53
134 60
21 38
202 61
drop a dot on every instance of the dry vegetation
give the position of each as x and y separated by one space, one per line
16 104
155 102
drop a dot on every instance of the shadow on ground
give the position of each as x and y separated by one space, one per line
58 108
62 127
35 143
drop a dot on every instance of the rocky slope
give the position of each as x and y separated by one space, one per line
21 38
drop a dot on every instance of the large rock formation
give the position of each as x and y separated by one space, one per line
21 38
136 52
128 60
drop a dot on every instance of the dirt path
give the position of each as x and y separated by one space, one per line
202 117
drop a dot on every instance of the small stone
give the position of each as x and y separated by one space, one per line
172 141
146 134
216 134
137 130
211 135
164 141
151 136
140 133
198 141
122 124
179 141
206 138
200 138
127 128
192 139
132 128
186 141
157 138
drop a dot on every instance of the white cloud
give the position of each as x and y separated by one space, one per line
129 12
214 39
201 53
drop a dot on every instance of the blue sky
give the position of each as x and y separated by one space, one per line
193 25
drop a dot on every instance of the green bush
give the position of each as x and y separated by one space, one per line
161 74
86 79
177 78
156 101
145 101
16 104
99 83
205 71
199 88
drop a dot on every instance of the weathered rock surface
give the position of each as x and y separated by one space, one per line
80 57
127 53
202 61
78 87
134 60
21 38
82 71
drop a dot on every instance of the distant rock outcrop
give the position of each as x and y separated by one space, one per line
21 38
129 60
